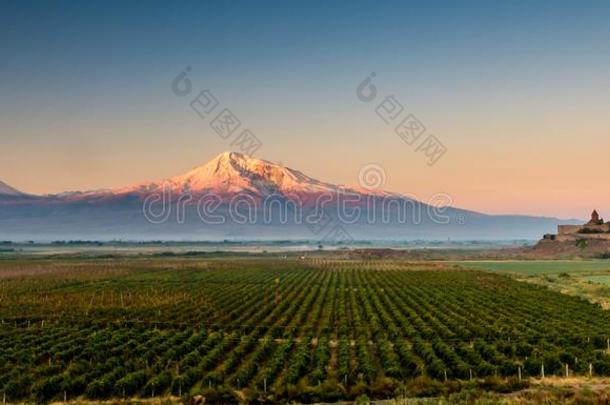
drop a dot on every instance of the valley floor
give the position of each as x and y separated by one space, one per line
589 279
304 328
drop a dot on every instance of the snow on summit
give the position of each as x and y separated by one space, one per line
233 172
229 174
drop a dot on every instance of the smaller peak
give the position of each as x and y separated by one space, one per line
8 190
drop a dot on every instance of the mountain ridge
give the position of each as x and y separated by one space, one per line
5 189
234 172
170 209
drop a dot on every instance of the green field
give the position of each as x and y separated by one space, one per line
599 279
272 330
540 267
589 279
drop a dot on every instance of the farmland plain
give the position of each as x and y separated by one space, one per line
589 279
279 329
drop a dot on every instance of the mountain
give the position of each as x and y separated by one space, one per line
5 189
232 173
234 196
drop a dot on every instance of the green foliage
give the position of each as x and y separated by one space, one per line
425 387
329 331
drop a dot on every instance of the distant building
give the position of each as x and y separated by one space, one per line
595 219
594 229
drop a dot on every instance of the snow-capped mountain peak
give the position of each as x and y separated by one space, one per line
233 172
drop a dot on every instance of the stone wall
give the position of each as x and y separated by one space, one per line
573 229
569 229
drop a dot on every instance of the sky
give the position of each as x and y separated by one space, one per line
517 92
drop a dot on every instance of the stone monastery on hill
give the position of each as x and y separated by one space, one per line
594 229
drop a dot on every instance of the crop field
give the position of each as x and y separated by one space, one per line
589 279
273 330
540 267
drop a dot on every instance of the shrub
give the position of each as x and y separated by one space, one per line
423 386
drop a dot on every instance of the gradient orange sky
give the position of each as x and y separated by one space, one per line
518 93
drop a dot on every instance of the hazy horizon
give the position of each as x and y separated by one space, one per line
517 92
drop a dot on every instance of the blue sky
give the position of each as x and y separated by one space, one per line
511 87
